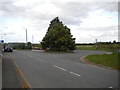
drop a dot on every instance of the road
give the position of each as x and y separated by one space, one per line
63 70
9 75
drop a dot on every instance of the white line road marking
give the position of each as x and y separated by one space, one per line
110 87
60 68
66 70
75 74
31 56
1 54
41 60
38 59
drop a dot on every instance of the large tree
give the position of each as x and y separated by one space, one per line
58 37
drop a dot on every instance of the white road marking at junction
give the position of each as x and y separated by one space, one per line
110 87
1 54
75 74
66 70
60 68
41 60
38 59
31 56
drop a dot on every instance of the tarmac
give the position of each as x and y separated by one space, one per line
9 75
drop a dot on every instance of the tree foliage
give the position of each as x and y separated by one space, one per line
22 46
29 45
58 37
19 46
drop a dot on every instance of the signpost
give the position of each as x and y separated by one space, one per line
1 41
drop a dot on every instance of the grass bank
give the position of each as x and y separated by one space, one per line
109 60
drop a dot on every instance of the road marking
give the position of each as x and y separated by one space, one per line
41 60
31 56
66 70
20 75
110 87
75 74
38 59
1 54
60 68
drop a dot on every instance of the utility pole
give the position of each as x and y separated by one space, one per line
26 35
32 37
26 39
96 43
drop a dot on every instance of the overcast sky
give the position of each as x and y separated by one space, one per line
87 20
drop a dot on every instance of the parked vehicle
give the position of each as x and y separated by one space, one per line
37 48
8 48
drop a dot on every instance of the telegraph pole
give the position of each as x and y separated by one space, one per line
96 43
32 37
26 35
26 38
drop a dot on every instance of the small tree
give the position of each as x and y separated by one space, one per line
58 37
114 41
29 45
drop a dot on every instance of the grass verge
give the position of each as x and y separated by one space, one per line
109 60
110 48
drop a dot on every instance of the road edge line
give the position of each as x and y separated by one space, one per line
20 75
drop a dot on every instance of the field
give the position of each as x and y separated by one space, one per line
86 47
111 48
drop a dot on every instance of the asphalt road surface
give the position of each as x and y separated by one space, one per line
9 75
63 70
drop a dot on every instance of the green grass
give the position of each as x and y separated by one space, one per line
86 47
109 60
111 48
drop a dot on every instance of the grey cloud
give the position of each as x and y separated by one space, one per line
10 10
10 33
111 7
72 12
3 27
101 29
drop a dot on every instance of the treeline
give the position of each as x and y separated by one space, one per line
22 45
77 44
103 43
107 43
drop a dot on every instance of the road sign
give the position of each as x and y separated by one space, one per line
1 41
